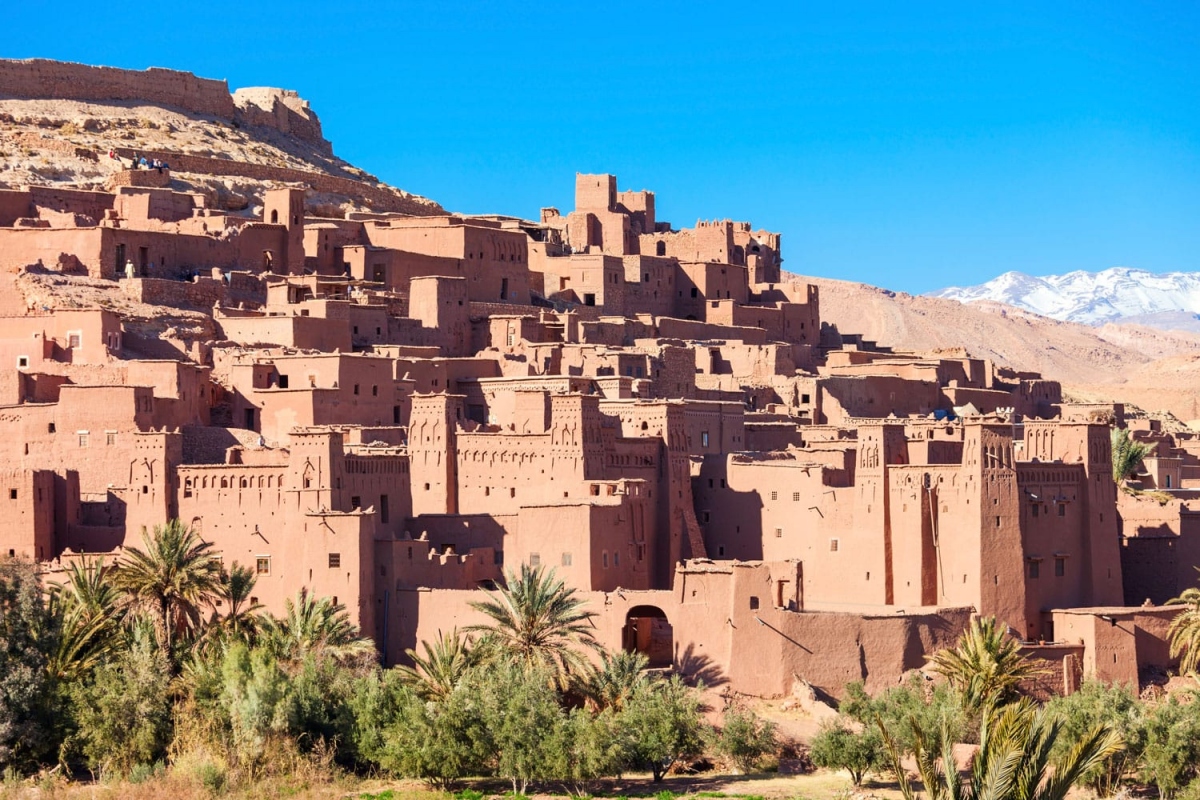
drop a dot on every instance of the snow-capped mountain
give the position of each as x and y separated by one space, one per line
1167 300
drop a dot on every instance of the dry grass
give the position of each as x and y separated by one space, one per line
821 785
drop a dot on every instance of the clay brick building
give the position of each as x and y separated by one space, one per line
392 410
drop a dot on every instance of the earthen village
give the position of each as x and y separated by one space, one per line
392 405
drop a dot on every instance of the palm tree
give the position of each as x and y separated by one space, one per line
1185 630
1013 762
172 581
445 663
986 666
236 585
538 621
616 680
88 609
315 626
1127 454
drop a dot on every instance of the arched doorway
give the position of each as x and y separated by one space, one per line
647 631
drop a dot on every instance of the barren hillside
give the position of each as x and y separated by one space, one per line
1153 369
230 147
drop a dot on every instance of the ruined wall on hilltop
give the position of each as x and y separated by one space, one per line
281 109
41 78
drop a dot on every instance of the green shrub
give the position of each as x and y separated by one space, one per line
1098 703
744 738
1172 745
836 746
123 713
911 709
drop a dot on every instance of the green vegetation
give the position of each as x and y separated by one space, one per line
1127 454
158 671
985 667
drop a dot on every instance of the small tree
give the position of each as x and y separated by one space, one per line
836 746
27 640
123 714
1172 745
524 721
745 738
438 742
664 725
1095 704
591 746
908 710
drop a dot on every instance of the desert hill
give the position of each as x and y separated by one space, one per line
1153 369
58 123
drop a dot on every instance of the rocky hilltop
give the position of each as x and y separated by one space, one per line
60 121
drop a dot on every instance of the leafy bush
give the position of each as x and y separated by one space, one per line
744 738
1172 745
27 699
836 746
910 710
663 722
1098 703
123 714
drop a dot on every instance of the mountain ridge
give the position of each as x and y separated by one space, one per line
1169 300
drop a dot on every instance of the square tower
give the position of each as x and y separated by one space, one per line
286 207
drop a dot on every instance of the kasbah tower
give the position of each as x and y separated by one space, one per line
394 406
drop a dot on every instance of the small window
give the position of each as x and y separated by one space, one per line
262 565
356 388
1035 570
695 292
774 495
73 340
110 438
604 559
705 516
51 428
83 439
1062 509
704 438
535 559
335 560
804 399
356 503
22 361
833 545
795 497
1035 510
12 494
753 603
1060 567
283 381
566 559
779 533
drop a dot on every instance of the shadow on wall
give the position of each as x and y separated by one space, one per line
697 667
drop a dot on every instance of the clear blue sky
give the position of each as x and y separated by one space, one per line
911 145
